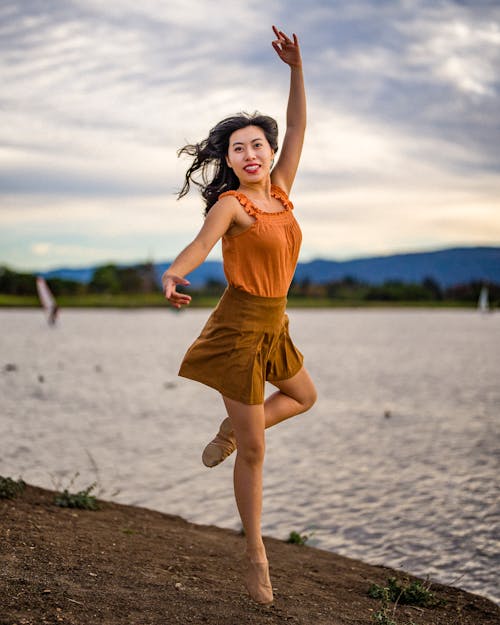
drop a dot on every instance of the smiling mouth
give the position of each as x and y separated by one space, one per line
252 169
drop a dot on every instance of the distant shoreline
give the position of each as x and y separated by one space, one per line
149 300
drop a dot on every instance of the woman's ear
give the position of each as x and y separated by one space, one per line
228 163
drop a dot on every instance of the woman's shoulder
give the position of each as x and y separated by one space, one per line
239 197
279 193
232 193
226 202
227 195
276 190
278 181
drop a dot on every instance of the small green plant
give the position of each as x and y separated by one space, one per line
390 621
57 482
82 499
297 539
410 593
414 593
382 616
386 615
10 488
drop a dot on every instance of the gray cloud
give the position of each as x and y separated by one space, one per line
97 97
60 182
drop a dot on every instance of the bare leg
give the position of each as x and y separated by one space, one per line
248 424
295 395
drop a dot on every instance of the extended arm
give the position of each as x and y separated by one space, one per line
283 173
217 222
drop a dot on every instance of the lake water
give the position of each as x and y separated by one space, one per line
416 490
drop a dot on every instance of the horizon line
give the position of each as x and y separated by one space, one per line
368 256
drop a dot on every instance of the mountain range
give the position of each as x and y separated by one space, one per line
447 267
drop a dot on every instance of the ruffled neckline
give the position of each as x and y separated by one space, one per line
247 203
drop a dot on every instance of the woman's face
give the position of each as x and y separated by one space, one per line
249 154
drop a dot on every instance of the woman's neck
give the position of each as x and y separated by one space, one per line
259 190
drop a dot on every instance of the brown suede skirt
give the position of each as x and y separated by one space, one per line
244 343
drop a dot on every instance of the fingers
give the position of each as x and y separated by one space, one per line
280 41
287 49
179 299
169 286
283 38
171 280
276 47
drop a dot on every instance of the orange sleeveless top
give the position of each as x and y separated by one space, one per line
262 259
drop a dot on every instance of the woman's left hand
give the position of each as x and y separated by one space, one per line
287 50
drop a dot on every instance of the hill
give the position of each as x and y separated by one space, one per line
447 267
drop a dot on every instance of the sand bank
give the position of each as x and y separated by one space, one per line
124 564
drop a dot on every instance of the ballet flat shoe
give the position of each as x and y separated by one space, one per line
258 582
221 446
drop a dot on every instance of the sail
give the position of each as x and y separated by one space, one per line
483 303
46 299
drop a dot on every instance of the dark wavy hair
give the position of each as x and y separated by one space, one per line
209 170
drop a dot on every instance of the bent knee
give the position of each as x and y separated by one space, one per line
309 399
314 397
301 389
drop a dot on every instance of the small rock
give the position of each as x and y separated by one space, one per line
41 379
10 366
179 586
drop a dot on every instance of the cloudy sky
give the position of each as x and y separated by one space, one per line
403 144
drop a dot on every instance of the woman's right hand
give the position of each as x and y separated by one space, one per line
170 282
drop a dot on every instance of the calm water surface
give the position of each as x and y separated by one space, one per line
416 489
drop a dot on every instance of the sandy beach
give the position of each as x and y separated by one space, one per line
124 564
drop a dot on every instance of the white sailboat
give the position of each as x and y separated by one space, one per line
47 300
483 304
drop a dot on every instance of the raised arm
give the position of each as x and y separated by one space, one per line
283 173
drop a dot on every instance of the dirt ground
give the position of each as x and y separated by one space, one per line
131 566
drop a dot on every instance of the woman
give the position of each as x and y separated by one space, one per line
245 341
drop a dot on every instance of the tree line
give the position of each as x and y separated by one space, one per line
428 290
112 279
107 279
